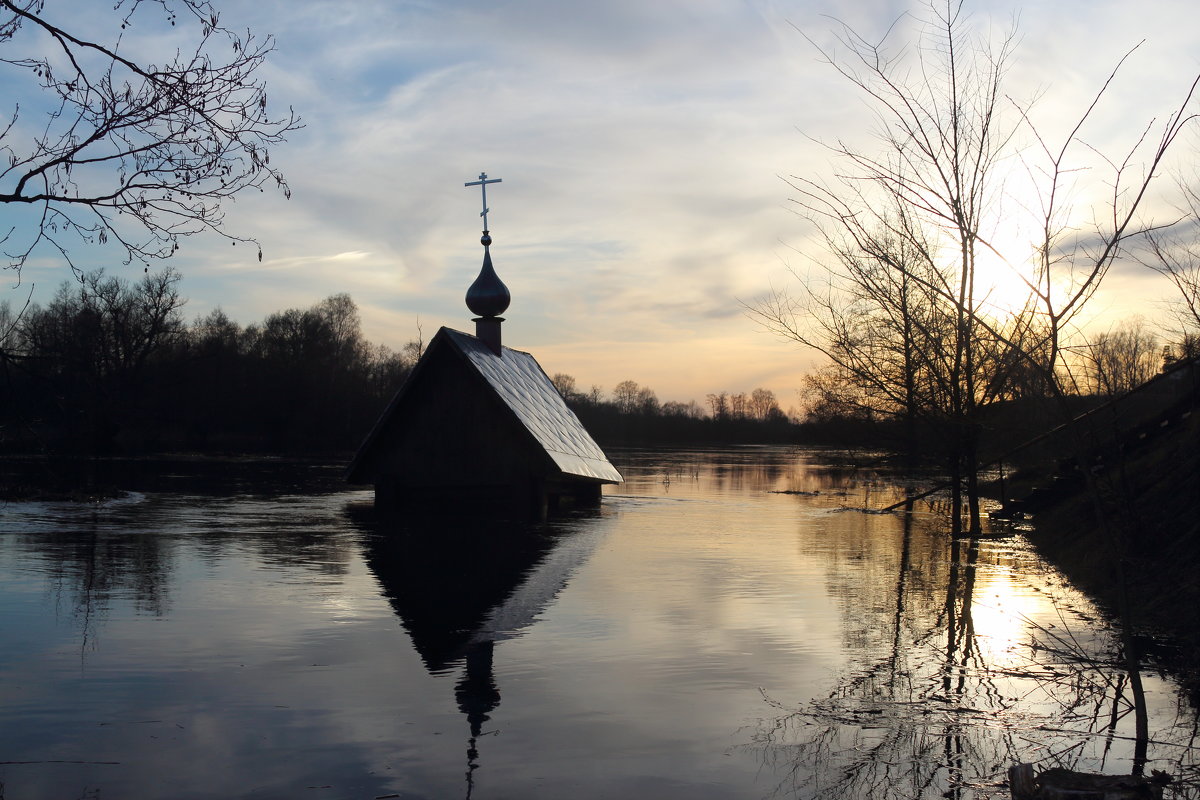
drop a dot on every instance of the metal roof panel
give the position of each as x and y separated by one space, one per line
525 388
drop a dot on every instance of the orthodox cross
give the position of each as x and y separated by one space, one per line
482 184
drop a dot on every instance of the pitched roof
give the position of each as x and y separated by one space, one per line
524 388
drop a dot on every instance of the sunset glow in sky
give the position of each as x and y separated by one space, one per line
641 147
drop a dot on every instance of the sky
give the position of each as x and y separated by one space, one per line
643 147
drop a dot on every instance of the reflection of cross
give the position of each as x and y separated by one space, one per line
482 184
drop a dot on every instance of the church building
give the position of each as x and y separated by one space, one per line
479 427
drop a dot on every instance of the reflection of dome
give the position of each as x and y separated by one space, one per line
476 692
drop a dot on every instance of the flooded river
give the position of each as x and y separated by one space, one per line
729 624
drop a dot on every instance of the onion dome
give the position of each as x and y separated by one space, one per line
488 296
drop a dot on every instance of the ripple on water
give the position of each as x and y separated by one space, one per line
698 635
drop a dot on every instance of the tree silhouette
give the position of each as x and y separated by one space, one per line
119 150
926 208
1120 359
93 349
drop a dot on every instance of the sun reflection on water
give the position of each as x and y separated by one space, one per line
1001 611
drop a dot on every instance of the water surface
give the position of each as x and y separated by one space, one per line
729 624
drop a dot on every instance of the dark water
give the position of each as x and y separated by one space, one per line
700 636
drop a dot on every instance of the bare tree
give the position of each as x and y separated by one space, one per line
1186 349
125 151
1121 359
886 334
739 405
565 384
625 396
925 211
718 405
107 327
340 315
763 405
688 410
94 344
647 402
1175 254
916 215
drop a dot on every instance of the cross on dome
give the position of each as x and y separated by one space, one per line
482 184
487 297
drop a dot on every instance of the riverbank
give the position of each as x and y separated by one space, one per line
1153 502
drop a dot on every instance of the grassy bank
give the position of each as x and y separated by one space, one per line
1153 497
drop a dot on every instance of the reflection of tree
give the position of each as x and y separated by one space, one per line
726 469
126 551
900 723
924 710
763 470
89 565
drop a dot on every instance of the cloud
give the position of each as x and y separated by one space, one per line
639 144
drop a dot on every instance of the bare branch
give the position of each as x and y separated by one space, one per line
136 154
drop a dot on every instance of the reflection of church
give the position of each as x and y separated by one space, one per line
458 592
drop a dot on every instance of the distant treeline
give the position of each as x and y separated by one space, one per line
633 415
111 366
